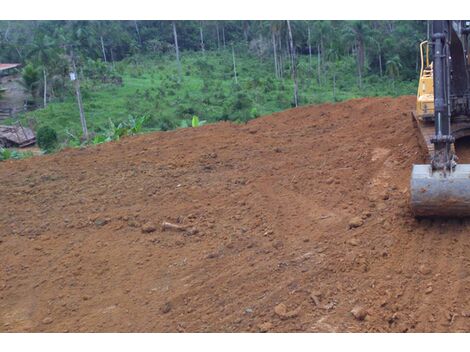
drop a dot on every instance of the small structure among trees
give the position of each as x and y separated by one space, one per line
8 69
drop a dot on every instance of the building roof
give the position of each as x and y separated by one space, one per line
8 66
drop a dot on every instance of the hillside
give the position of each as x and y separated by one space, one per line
149 87
292 222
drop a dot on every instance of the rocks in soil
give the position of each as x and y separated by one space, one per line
190 231
359 312
354 242
355 222
424 269
133 223
315 296
166 308
283 313
265 327
149 227
47 320
101 222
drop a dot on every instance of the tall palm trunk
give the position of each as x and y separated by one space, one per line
202 39
360 59
334 84
234 65
218 35
223 36
79 99
293 66
281 62
276 69
45 86
138 33
177 52
103 49
309 50
319 64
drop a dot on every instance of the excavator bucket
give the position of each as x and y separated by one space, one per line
442 187
440 193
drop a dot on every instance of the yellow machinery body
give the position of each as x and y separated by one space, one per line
425 96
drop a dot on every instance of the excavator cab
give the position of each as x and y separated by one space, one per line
425 96
442 187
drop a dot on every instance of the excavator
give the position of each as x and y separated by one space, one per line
442 186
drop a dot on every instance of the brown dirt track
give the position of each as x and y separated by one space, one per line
272 201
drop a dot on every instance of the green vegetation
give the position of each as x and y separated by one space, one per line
6 154
46 138
131 80
207 90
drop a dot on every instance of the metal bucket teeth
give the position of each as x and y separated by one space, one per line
440 194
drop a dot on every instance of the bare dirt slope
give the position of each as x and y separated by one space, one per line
271 202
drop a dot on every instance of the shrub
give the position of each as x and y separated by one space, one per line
166 124
46 138
254 113
6 154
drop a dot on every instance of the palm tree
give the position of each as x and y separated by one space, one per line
43 52
393 67
30 79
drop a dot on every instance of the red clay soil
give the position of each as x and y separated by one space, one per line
297 221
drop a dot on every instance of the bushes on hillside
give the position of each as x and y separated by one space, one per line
46 138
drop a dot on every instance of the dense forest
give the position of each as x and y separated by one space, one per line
163 74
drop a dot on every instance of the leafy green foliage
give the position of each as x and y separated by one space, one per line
46 138
30 79
209 94
128 68
126 128
195 121
6 154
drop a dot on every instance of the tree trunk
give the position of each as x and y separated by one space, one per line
276 69
281 62
334 85
309 50
380 65
79 100
112 56
245 30
202 39
218 35
45 86
177 52
103 49
234 65
318 65
360 58
322 53
136 25
223 36
293 66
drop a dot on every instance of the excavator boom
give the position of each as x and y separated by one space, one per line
442 187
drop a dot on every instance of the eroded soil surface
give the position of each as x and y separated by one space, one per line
297 221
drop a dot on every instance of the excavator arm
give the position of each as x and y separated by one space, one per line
442 187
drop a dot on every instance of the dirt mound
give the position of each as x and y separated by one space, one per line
293 222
